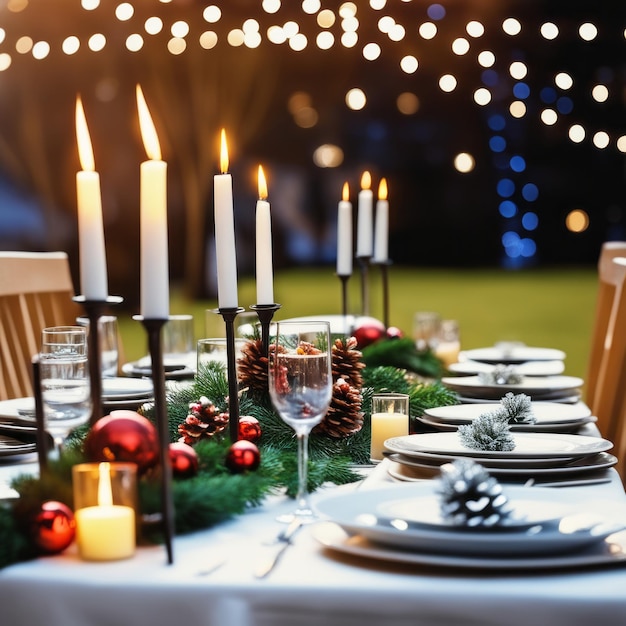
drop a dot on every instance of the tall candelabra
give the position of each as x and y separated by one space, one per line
364 263
384 273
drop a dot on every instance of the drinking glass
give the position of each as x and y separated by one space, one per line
64 375
300 385
109 350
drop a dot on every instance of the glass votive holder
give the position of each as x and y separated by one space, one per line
390 418
426 329
213 350
105 502
449 344
179 341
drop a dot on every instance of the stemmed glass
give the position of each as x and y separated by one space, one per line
300 385
64 374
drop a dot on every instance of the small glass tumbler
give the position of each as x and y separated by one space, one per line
214 350
426 329
449 344
105 505
109 349
178 341
390 418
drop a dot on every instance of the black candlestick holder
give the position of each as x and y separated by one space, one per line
154 327
364 263
229 315
384 273
344 278
40 422
265 312
94 310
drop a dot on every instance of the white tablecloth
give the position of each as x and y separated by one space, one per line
309 586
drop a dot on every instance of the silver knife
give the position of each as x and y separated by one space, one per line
285 538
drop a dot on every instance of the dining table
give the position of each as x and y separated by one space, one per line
214 578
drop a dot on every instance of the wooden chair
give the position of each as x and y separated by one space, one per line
599 382
36 291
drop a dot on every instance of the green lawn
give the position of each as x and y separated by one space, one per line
552 308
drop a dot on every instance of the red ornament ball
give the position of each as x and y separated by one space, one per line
124 436
249 428
368 332
394 333
183 459
53 527
242 456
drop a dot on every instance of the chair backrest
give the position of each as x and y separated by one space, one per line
36 291
609 286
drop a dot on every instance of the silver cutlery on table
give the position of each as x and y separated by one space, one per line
284 538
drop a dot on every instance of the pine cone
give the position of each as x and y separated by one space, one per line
203 421
344 416
347 363
470 496
252 366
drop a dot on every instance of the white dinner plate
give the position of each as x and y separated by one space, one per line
18 409
537 427
367 513
530 368
610 551
544 412
9 446
512 353
124 388
540 387
143 369
415 469
527 446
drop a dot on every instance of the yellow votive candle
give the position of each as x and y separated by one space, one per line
390 418
105 532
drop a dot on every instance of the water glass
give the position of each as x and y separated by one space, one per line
179 347
426 329
64 341
109 351
213 350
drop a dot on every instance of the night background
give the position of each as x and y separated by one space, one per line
537 146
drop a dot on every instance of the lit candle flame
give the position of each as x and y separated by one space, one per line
148 131
105 494
345 192
382 189
262 185
366 180
223 153
85 150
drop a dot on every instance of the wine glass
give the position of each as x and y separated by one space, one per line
64 380
300 385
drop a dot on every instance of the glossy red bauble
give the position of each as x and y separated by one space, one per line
394 333
249 428
124 436
53 527
242 456
183 459
368 332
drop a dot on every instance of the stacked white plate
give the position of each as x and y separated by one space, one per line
126 392
550 388
403 524
549 416
529 368
540 456
511 353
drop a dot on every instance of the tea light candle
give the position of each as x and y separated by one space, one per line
105 532
390 418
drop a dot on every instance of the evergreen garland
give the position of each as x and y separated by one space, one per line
215 494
